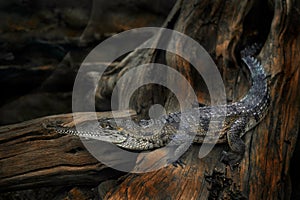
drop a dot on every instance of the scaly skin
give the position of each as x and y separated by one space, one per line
234 121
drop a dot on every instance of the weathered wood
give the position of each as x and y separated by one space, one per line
224 28
143 97
31 156
171 182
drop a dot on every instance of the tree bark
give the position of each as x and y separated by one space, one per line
224 29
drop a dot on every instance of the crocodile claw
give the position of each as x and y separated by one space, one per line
230 158
179 162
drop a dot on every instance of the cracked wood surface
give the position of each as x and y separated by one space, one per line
31 156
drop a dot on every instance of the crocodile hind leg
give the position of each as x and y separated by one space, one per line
236 144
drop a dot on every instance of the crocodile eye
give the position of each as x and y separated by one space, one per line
144 122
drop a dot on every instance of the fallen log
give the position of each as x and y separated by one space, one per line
32 156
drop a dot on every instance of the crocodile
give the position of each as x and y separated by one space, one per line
238 118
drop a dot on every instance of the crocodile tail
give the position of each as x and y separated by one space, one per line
251 50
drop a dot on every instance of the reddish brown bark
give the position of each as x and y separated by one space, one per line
223 28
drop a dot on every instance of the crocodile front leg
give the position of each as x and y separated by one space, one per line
236 144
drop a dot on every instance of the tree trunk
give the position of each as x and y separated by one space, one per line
224 29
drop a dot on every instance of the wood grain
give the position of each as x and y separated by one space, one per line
31 156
